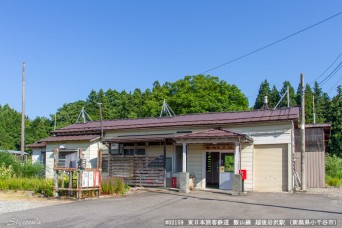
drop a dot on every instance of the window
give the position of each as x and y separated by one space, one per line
132 151
179 159
105 162
227 161
63 155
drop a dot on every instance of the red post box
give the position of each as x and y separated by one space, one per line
243 174
173 182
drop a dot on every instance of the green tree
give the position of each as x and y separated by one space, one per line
335 117
322 101
68 113
274 97
264 90
308 104
197 94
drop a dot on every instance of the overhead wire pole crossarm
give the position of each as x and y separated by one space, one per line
273 43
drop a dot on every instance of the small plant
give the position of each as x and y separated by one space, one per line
5 173
333 170
333 181
113 185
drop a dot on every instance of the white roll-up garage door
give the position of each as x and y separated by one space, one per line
270 167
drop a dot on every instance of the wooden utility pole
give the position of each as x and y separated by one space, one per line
302 132
22 148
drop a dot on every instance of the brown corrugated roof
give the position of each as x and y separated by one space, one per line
36 145
188 120
71 138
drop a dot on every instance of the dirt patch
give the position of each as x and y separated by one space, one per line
332 192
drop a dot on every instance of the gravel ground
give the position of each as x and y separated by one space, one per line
19 201
332 192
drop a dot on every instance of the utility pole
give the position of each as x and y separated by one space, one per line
22 146
288 96
100 104
302 132
313 109
54 127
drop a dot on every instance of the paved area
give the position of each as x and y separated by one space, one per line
18 201
152 208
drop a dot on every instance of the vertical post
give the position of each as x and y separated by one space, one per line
313 109
302 132
55 187
54 127
288 96
164 163
101 119
237 158
22 146
184 158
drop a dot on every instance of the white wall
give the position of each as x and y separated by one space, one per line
90 150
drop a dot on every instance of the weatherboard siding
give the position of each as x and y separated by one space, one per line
247 164
194 163
88 148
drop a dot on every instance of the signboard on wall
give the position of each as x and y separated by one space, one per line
89 179
85 177
219 147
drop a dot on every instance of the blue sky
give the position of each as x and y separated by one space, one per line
72 47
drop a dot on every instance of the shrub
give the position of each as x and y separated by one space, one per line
38 185
113 185
5 173
21 169
332 181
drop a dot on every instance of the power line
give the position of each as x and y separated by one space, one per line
327 78
327 68
334 86
273 43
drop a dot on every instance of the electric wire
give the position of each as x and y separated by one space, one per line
327 78
273 43
326 69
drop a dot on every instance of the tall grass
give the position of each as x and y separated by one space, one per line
333 168
113 185
38 185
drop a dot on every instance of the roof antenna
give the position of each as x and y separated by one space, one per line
167 110
83 114
288 98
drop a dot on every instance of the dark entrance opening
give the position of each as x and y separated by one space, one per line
212 169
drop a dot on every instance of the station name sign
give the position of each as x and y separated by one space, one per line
219 147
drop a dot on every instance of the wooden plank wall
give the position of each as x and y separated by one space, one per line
138 170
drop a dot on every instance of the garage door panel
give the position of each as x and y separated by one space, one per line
270 168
